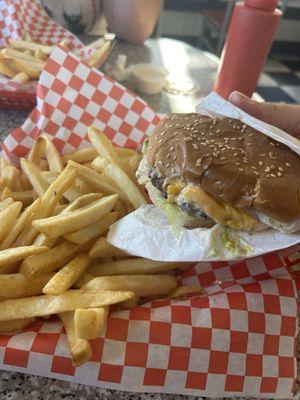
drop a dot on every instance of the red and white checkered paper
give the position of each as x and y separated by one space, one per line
16 18
239 339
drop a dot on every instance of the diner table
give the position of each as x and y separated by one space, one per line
191 76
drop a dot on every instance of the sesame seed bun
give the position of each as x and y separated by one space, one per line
232 163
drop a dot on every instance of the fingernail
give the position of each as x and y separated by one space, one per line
237 97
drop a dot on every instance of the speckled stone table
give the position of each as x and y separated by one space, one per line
192 73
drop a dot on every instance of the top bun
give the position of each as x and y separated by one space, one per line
231 161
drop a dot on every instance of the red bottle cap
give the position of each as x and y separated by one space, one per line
269 5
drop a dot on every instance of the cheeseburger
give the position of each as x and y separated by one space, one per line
202 171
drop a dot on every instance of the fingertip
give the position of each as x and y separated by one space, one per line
237 97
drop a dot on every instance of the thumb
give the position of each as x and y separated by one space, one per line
284 116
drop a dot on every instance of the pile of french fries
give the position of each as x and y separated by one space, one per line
23 60
55 212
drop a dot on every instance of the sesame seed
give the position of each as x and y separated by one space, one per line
272 144
272 166
237 163
288 164
273 175
198 162
280 168
160 163
273 158
195 146
251 134
168 156
223 158
270 154
244 126
279 173
261 163
256 173
174 158
163 133
218 183
218 130
172 148
167 165
235 154
241 169
262 155
268 169
268 176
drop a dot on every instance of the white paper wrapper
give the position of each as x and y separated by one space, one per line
146 232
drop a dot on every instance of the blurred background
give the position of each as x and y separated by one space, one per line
204 24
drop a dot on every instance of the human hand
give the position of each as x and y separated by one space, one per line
284 116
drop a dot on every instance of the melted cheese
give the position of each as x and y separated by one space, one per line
173 191
219 210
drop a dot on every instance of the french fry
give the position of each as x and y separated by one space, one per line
14 326
140 285
128 187
94 179
3 163
39 306
31 46
25 182
34 286
9 176
6 193
138 266
59 225
81 156
32 68
124 152
18 184
8 217
19 225
90 322
71 194
25 197
37 151
27 37
34 175
131 303
81 350
181 291
48 203
93 231
98 55
54 159
21 77
50 260
134 161
84 279
67 276
41 55
12 285
19 253
5 203
7 69
44 166
105 148
103 249
12 54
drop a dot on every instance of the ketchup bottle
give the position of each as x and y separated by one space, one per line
250 35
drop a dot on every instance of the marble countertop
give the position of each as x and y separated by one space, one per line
193 80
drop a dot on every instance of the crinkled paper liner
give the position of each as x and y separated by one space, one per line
238 339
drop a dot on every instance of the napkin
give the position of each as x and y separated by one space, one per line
239 339
147 233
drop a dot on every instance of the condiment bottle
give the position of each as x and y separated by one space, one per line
250 36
